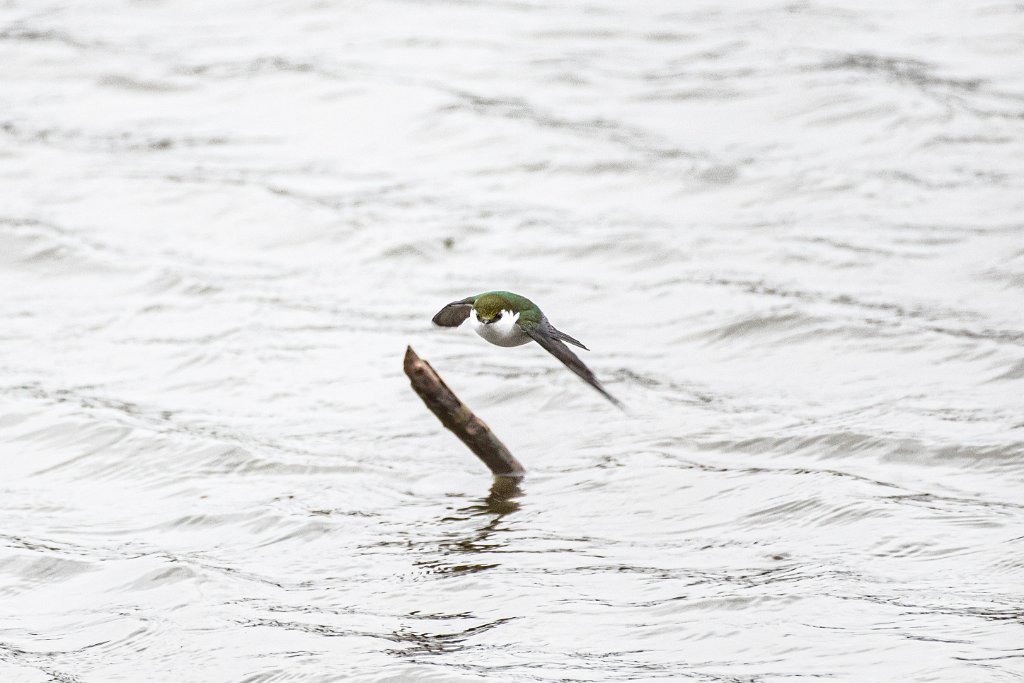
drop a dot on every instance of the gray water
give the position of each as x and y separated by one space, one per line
792 235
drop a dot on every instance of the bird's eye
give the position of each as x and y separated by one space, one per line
497 316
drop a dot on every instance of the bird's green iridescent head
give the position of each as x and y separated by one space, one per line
489 305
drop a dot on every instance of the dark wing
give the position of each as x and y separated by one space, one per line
454 314
543 334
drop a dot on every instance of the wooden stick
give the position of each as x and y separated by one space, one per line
458 418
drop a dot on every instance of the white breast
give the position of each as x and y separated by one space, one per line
503 332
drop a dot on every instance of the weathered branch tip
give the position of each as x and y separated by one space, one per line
458 418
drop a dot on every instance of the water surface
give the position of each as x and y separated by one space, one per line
791 233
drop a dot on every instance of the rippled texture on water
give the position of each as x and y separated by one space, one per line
792 234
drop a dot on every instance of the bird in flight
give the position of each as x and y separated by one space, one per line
507 319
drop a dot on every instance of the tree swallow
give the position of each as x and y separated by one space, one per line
507 319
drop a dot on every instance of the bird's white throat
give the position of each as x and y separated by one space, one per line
501 332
